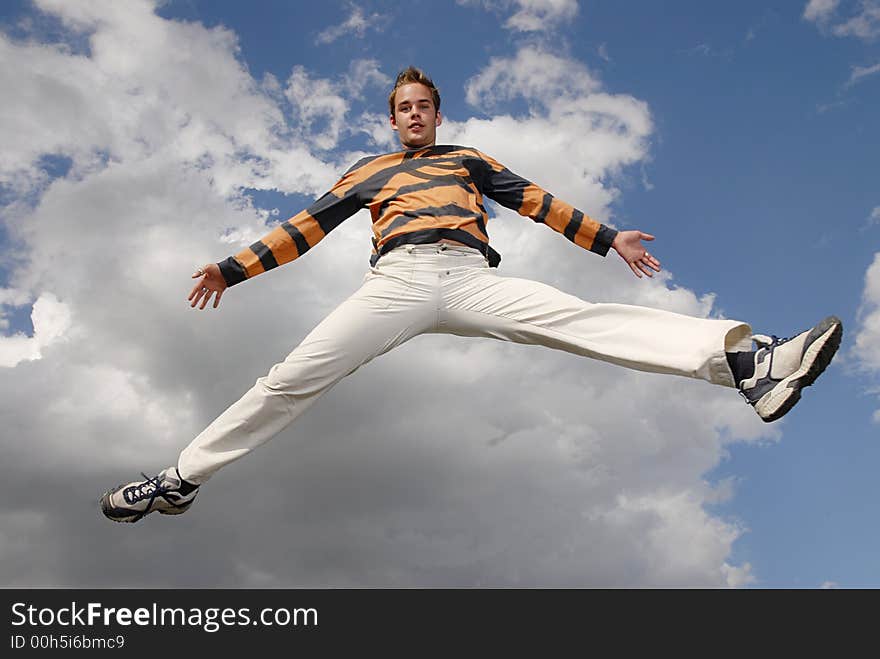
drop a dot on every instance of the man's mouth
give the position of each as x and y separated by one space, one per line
415 126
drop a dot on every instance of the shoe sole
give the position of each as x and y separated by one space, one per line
112 513
777 402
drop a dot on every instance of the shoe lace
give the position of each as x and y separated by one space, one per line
763 341
152 487
770 342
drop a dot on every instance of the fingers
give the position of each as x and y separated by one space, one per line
202 294
197 288
646 236
651 262
645 264
217 295
196 296
199 293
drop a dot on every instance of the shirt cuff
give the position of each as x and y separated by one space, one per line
232 271
602 242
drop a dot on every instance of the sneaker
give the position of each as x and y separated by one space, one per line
785 366
168 493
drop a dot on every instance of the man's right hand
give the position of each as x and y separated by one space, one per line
210 281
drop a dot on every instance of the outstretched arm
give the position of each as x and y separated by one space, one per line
286 242
628 244
528 199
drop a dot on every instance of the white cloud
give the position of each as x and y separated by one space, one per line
50 318
569 113
865 24
320 106
867 342
737 576
863 21
681 535
530 15
820 10
363 73
537 15
317 102
874 218
357 23
543 79
134 98
544 469
859 72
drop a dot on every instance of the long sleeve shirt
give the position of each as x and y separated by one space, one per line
418 196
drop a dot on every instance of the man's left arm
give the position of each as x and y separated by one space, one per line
526 198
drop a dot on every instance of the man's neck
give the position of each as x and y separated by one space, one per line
407 147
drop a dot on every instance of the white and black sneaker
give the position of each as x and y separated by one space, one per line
771 377
167 493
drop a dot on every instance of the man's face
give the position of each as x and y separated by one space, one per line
415 118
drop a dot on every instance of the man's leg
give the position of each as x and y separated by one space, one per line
642 338
770 375
380 316
384 313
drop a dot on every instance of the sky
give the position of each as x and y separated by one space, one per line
142 139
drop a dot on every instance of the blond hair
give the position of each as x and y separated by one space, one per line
409 75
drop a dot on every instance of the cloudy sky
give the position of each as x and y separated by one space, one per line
141 139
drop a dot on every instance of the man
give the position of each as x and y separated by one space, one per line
432 270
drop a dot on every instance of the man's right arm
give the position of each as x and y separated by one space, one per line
294 237
283 244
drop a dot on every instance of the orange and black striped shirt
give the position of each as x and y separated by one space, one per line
419 196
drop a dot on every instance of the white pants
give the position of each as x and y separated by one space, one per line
416 289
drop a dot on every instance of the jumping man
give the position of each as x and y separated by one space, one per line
432 271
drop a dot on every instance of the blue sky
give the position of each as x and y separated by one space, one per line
743 135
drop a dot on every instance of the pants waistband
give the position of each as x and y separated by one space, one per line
437 248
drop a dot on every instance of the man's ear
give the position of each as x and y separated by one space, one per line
394 123
439 119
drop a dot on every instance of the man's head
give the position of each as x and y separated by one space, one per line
415 108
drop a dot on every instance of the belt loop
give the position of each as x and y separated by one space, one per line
443 246
409 249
